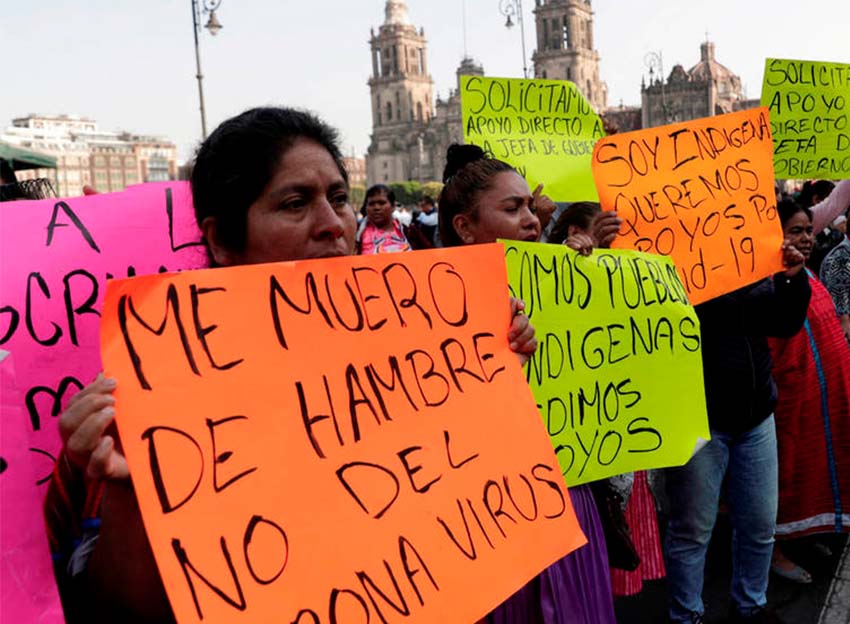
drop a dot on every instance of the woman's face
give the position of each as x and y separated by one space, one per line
504 211
379 210
302 213
798 230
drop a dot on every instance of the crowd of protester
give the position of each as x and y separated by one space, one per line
269 185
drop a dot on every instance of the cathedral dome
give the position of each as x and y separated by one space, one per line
396 13
709 69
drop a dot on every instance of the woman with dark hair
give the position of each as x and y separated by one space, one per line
812 374
247 200
575 219
379 231
268 185
485 199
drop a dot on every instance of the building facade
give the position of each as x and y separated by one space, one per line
565 47
88 156
402 96
411 131
355 167
113 165
52 135
157 157
706 89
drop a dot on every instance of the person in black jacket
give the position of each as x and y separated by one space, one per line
741 457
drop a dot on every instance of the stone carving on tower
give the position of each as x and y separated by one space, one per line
402 94
565 47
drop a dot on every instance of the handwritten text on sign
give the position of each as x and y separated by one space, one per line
57 256
618 373
809 113
357 428
544 128
701 192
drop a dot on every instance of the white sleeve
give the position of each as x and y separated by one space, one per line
835 204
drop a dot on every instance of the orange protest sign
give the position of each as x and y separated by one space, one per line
343 440
701 192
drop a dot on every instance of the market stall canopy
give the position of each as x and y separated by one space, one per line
20 158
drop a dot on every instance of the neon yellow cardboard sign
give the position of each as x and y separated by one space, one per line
618 370
544 128
808 103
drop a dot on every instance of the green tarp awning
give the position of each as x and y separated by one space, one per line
20 158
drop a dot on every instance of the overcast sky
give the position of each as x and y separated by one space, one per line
130 64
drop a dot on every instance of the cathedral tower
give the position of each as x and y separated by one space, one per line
401 91
565 47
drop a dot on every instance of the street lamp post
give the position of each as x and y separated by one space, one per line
212 25
655 63
511 9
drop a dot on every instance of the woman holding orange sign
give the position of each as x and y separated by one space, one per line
268 185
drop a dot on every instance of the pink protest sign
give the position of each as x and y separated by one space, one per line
56 258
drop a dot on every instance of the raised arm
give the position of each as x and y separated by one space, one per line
835 204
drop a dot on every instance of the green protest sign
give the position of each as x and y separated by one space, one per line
808 103
544 128
617 375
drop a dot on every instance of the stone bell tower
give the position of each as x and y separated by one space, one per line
401 91
565 47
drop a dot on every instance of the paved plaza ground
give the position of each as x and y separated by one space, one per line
824 601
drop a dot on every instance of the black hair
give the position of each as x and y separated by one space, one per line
427 199
7 173
787 208
376 189
237 161
579 214
812 189
469 171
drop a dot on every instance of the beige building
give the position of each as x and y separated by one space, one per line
87 156
706 89
411 131
52 135
402 98
565 47
157 157
356 169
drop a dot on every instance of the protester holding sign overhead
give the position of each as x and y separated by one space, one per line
268 185
483 200
812 373
740 392
741 396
